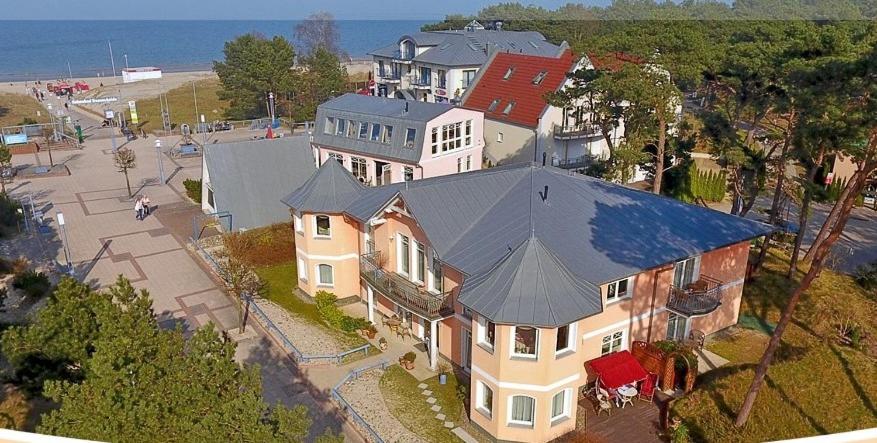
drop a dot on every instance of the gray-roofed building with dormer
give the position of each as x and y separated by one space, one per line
438 66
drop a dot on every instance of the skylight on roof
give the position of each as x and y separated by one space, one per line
539 78
508 108
508 73
493 105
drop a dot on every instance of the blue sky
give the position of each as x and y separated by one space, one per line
250 9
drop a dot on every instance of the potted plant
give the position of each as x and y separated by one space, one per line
371 331
382 342
407 360
444 370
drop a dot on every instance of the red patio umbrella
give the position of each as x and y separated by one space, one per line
618 369
270 133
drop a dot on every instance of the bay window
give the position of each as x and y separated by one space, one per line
484 399
322 226
560 405
566 339
522 410
486 333
325 275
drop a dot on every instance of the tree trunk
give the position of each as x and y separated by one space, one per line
659 160
737 188
2 181
829 221
127 183
774 207
244 307
816 267
755 122
804 215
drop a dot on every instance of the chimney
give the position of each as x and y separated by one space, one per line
406 106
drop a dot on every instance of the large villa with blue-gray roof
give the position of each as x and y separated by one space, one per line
521 274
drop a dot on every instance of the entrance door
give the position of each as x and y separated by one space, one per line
383 173
677 327
465 350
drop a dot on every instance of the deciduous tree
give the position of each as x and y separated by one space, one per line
125 159
319 30
5 166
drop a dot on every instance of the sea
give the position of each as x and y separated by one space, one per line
31 50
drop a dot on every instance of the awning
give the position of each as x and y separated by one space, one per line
618 369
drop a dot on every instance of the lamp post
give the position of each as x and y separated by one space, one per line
160 165
63 228
126 61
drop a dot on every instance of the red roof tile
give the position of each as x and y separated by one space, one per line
528 98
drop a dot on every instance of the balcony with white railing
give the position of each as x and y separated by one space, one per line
577 131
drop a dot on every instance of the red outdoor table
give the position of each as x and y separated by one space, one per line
618 369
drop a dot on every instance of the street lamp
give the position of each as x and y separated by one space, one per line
160 165
65 243
126 61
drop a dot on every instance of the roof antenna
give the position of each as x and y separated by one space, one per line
544 194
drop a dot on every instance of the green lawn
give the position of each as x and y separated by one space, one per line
815 386
280 286
409 406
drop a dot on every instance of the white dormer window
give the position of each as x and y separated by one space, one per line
619 289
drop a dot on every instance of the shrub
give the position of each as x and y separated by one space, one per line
14 409
17 266
334 316
9 215
267 246
193 189
409 356
866 276
33 283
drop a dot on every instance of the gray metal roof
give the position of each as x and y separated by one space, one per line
531 287
470 48
400 114
249 178
331 189
590 232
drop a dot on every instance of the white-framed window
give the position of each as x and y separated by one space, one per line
329 128
434 140
460 164
363 130
387 135
452 136
437 280
403 254
484 399
468 76
376 132
352 127
325 275
486 334
341 128
408 173
524 341
302 270
620 289
419 262
297 224
410 137
336 156
322 226
566 339
613 342
560 405
522 409
359 168
499 137
468 162
686 271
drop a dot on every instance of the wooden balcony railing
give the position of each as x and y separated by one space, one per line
697 298
401 290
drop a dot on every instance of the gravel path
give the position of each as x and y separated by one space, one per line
308 338
364 395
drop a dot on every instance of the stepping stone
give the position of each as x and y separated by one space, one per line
427 392
449 424
436 408
460 432
422 386
431 400
440 417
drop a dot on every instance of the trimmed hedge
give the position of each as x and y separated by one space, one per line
692 184
334 316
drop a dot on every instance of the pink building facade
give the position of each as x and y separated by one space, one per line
383 141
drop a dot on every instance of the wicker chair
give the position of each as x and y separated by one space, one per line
695 339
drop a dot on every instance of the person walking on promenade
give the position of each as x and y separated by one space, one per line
145 201
138 208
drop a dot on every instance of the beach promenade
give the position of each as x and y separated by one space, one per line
105 240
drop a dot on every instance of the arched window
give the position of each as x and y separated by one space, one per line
522 410
325 275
